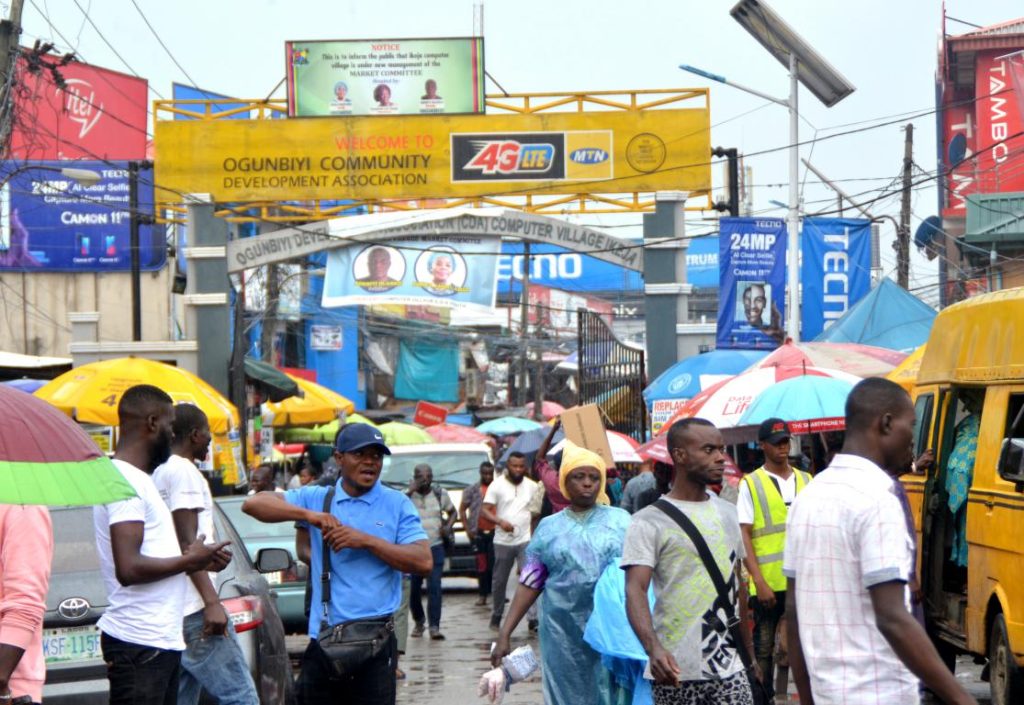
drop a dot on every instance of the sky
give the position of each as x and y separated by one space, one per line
886 49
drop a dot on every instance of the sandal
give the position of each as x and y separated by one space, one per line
399 674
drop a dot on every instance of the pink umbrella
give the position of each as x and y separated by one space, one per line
724 403
624 448
656 450
548 410
856 359
454 433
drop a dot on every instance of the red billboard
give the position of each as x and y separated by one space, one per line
95 114
1000 163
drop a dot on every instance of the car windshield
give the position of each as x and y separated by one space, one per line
74 541
451 468
246 526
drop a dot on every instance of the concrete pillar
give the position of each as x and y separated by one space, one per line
207 318
666 293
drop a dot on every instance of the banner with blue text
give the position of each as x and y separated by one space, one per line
752 284
836 270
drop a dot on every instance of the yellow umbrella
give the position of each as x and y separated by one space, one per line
90 393
317 405
905 374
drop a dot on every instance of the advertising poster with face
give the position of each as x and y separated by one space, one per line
752 287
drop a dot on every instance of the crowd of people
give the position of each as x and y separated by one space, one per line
830 556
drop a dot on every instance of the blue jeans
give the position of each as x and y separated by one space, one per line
433 590
216 664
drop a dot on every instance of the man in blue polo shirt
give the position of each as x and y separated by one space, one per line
375 535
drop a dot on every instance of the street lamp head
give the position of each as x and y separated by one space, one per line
85 177
782 42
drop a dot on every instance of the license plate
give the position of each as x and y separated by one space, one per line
68 644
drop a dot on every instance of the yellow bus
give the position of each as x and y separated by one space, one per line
970 515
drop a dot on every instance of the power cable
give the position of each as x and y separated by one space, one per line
161 42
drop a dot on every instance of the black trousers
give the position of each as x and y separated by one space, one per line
373 685
140 675
484 546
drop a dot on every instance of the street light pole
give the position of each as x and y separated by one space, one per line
793 242
135 220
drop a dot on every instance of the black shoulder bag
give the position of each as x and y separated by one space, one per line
347 646
734 625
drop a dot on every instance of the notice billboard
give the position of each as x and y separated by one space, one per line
835 270
453 272
752 289
53 223
95 114
385 76
416 156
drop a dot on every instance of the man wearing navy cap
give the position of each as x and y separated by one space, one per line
763 505
374 534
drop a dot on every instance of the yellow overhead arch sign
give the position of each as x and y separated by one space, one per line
416 157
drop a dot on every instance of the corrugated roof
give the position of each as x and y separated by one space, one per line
995 217
1009 27
1007 35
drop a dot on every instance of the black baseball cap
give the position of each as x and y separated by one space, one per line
354 436
774 431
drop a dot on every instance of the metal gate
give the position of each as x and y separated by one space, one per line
611 375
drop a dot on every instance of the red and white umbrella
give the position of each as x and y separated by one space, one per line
724 403
623 448
853 358
548 410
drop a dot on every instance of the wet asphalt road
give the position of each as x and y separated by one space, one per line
446 672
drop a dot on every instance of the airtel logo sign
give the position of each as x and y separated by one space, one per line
81 105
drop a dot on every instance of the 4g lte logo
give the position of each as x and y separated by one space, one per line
533 156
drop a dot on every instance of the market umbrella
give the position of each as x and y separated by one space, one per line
507 425
683 379
46 458
26 384
656 449
528 443
548 410
275 384
454 433
905 373
724 403
624 448
397 433
856 359
317 405
811 404
324 433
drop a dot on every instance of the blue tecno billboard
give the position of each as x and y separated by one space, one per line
54 223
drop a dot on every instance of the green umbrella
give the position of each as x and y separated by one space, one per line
403 434
275 384
323 433
46 458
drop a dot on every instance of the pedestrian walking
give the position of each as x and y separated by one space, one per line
142 562
480 531
848 560
365 535
437 515
26 552
564 560
765 496
643 480
507 504
212 660
689 543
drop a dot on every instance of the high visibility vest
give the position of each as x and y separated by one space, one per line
768 532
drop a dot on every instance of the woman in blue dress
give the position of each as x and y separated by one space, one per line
564 560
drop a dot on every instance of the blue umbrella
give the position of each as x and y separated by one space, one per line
529 442
811 403
507 425
26 384
682 380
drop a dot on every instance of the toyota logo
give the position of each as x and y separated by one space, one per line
73 608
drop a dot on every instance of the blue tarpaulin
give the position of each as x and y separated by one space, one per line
427 371
888 317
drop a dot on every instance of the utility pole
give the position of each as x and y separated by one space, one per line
522 379
269 330
903 235
136 219
10 35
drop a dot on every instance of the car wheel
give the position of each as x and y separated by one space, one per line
1006 677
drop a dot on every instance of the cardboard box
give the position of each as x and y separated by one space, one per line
583 426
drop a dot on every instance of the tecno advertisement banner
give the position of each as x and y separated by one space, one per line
385 76
835 271
453 272
95 114
1000 164
423 156
53 223
752 289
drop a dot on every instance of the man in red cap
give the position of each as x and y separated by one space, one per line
763 504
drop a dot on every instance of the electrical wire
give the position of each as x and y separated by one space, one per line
161 42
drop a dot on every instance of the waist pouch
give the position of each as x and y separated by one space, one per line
347 647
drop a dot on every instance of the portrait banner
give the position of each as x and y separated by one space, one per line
452 272
752 288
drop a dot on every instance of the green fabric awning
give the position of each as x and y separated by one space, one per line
275 384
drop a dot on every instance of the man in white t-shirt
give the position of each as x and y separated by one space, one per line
507 504
852 637
212 660
142 563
